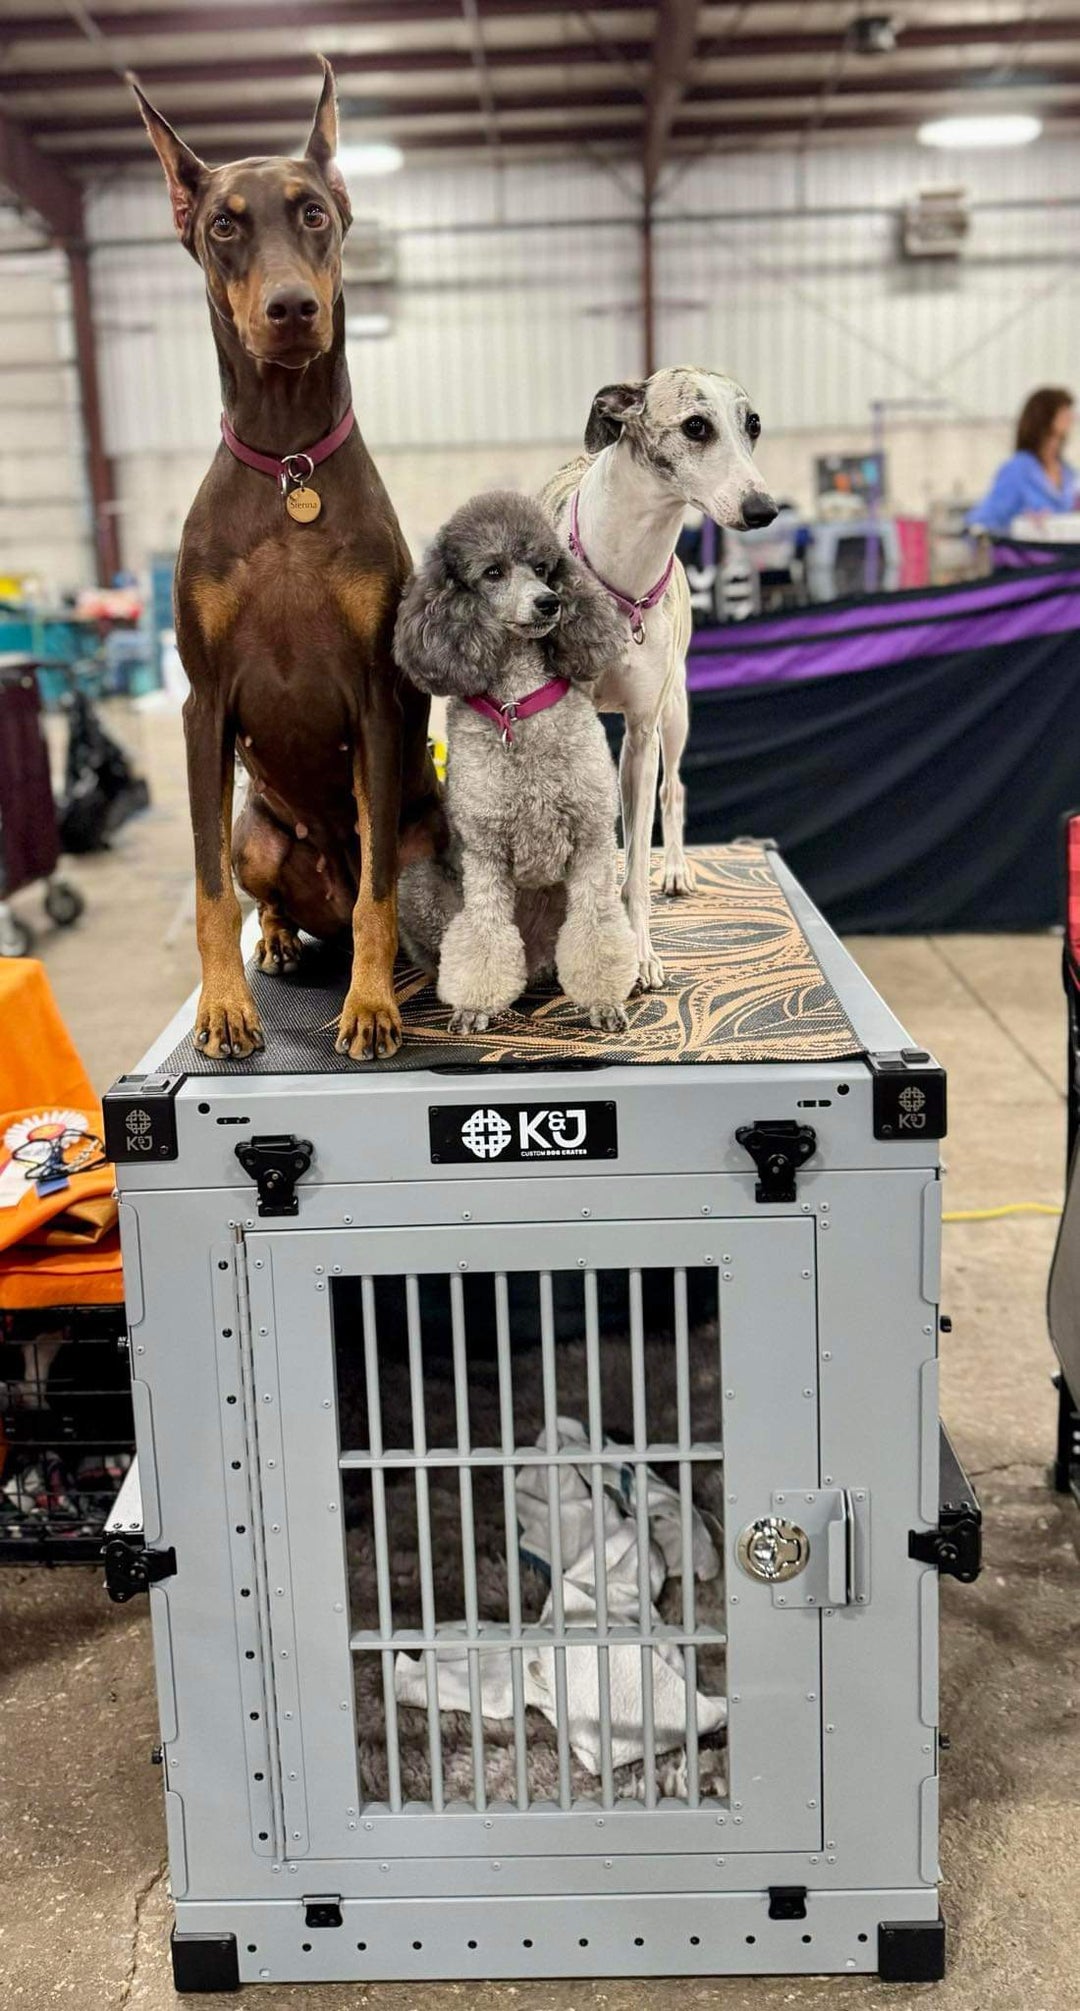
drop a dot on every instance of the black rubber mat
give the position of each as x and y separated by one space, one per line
742 984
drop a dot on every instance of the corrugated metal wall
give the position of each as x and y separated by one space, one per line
517 296
43 517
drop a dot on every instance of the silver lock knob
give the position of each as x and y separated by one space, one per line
772 1549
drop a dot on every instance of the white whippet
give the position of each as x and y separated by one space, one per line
678 438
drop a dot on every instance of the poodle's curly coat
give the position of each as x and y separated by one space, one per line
497 608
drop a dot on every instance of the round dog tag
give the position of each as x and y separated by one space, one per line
303 505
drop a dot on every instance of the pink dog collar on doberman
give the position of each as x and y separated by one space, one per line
505 716
288 468
633 610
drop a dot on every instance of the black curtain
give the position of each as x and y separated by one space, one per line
925 796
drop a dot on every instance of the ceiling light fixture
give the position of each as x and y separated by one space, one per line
370 157
989 129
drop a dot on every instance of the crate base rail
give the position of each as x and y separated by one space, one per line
409 1941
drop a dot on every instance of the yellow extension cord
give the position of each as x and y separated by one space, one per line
996 1214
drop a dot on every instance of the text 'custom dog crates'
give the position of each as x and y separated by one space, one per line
540 1475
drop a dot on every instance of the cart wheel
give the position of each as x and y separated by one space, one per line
16 936
63 903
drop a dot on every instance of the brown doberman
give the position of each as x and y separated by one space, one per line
286 593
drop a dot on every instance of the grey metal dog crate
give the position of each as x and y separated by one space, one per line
539 1458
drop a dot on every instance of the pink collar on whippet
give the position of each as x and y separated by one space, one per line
505 716
635 611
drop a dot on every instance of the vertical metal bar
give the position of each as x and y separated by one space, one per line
641 1490
382 1546
551 1444
686 1507
423 1531
513 1560
468 1533
596 1481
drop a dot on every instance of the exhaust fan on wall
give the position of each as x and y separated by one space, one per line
935 223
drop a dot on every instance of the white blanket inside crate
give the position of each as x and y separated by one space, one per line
578 1580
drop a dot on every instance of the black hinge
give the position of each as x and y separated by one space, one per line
787 1902
955 1546
324 1911
276 1164
778 1147
131 1568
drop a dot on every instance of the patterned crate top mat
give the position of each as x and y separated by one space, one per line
742 985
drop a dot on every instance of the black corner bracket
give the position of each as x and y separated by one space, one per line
911 1951
955 1547
205 1962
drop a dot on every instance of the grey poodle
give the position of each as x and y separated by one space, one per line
506 624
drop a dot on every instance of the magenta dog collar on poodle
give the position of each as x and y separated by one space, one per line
635 611
505 716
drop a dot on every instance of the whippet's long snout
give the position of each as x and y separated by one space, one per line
758 510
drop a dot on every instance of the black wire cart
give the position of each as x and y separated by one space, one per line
66 1430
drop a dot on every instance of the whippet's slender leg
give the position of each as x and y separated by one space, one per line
639 765
482 965
679 876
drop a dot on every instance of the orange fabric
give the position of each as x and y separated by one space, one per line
32 1215
39 1062
43 1278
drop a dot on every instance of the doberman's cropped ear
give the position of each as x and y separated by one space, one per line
322 144
184 171
611 408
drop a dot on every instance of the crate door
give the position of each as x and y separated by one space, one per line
503 1474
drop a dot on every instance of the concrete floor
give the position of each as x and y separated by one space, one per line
86 1915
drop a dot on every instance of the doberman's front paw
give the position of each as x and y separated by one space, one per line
368 1030
227 1024
465 1020
608 1018
279 948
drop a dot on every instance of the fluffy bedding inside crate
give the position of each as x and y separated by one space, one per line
496 1521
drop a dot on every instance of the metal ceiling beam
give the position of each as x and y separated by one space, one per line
294 112
673 53
283 69
956 35
287 111
39 183
719 133
306 16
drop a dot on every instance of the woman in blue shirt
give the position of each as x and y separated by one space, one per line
1037 477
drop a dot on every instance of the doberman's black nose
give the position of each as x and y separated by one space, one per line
758 510
547 604
291 307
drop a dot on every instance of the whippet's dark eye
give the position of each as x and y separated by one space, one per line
695 427
222 225
493 572
315 216
753 425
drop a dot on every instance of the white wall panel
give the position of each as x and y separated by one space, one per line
43 517
501 334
